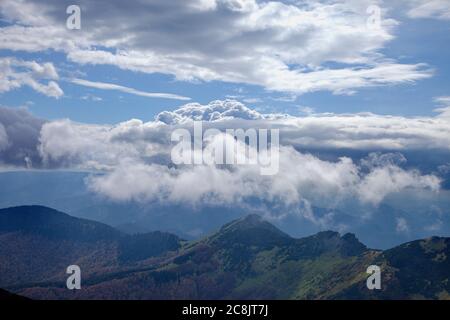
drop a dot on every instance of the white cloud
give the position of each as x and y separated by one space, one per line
214 111
111 86
390 179
363 131
402 225
306 110
67 144
438 9
252 100
94 146
302 177
91 97
445 100
15 73
444 111
131 160
135 158
276 45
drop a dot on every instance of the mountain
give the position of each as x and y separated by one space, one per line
415 270
248 258
38 243
5 295
53 224
377 227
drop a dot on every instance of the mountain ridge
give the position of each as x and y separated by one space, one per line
38 243
248 258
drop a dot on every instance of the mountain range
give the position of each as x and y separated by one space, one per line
248 258
375 226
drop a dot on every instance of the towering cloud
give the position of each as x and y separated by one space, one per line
134 157
131 161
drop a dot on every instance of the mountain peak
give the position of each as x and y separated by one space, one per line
248 220
252 221
251 230
352 245
330 241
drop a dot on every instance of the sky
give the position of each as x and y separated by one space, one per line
291 57
359 90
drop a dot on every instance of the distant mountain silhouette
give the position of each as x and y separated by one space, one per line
53 224
38 243
5 295
248 258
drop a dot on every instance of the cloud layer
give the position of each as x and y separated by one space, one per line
282 46
130 161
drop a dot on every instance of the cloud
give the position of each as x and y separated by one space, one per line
91 97
15 73
111 86
360 131
287 47
252 100
444 100
105 145
444 111
3 138
391 179
132 159
302 178
63 143
19 137
402 225
437 9
306 110
66 144
215 111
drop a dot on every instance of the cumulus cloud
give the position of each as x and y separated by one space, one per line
390 179
214 111
105 145
136 139
361 131
302 177
67 144
15 73
280 46
132 159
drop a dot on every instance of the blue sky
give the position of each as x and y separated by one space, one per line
415 40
